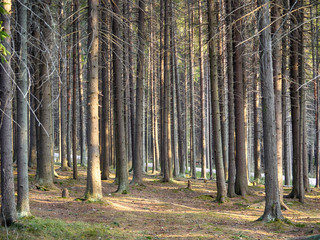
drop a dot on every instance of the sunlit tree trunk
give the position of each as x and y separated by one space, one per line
93 189
272 210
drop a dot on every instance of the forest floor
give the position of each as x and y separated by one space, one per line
158 210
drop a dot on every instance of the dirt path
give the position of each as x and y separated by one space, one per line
170 211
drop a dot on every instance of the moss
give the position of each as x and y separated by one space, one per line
43 228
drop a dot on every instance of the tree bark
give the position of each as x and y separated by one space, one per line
272 210
23 208
8 206
216 123
231 120
191 76
138 163
93 189
120 141
45 155
241 185
202 99
74 85
295 96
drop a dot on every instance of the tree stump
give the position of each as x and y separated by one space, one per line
65 193
189 185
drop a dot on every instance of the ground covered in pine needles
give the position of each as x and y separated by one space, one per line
157 210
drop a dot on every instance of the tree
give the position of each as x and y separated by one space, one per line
93 190
105 128
272 207
231 117
216 124
167 157
75 56
45 154
191 79
277 77
22 112
295 96
138 160
8 206
122 168
241 185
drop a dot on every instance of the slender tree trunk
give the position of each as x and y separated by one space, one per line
120 141
74 91
105 133
45 154
295 96
285 126
192 110
303 126
93 189
231 120
216 123
272 210
277 78
8 206
241 185
62 92
23 208
202 100
167 123
138 163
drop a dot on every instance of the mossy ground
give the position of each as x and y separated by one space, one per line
158 211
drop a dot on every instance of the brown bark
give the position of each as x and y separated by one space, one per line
93 189
241 185
138 160
216 124
272 210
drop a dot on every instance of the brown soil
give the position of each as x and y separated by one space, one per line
171 211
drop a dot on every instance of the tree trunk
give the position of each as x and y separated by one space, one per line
23 208
120 141
45 154
202 100
295 96
74 85
62 92
93 189
8 206
277 78
241 185
272 210
231 120
192 110
138 163
216 124
167 158
105 133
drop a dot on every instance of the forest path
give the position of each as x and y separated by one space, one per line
160 210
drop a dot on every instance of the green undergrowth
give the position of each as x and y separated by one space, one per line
45 228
